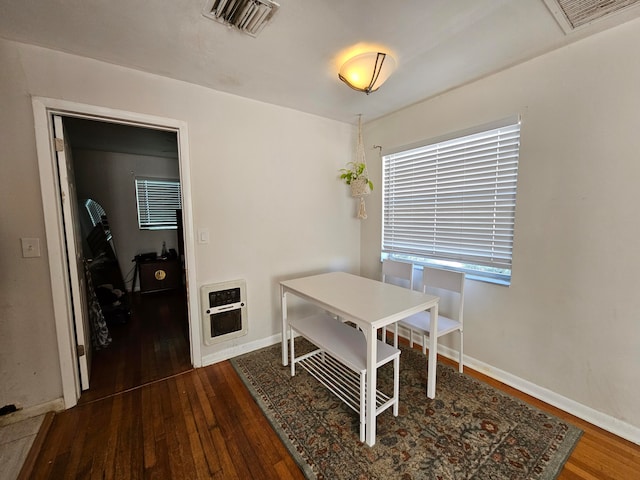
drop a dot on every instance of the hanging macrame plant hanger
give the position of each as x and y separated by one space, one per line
360 186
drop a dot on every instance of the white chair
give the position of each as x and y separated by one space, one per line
421 322
397 273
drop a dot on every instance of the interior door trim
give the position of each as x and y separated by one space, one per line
43 109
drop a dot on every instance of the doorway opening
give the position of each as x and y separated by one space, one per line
176 302
135 267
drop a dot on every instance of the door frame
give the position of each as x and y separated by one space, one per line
43 110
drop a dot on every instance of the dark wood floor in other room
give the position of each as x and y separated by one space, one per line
152 345
204 424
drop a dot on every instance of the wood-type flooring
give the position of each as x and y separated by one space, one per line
204 424
152 345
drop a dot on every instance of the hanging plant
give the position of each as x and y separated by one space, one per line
356 174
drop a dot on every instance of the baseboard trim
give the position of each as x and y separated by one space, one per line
56 405
588 414
237 350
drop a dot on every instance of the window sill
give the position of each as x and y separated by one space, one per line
469 274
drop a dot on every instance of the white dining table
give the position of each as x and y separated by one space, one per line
370 304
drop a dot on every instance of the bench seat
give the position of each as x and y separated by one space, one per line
340 362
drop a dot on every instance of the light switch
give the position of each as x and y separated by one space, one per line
30 247
203 235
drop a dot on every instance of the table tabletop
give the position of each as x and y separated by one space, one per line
361 300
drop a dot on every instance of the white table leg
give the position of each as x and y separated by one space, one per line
285 326
363 413
433 353
396 385
372 338
293 353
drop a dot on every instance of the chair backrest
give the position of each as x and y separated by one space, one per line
394 271
445 280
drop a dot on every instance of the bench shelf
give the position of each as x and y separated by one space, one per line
340 362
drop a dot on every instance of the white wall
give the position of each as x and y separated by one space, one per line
28 352
263 181
570 321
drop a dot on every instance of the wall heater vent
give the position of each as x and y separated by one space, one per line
224 311
248 16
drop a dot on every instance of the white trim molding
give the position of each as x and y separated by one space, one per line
43 109
588 414
237 350
56 405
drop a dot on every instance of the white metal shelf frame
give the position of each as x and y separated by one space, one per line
340 364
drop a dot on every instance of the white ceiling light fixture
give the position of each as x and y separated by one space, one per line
248 16
367 71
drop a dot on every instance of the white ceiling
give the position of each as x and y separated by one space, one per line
438 44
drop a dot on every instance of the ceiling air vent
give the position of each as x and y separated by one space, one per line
573 14
248 16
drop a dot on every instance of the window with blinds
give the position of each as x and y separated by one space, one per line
158 200
452 202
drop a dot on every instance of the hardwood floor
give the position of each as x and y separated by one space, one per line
196 425
148 414
204 424
152 345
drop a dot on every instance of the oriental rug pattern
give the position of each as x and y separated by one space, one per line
469 431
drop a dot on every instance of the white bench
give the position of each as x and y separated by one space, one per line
340 362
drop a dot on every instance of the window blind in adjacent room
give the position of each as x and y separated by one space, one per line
158 200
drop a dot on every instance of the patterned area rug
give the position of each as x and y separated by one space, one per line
469 431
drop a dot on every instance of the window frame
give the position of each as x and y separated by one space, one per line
483 271
153 218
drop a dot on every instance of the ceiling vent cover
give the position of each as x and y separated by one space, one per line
248 16
573 14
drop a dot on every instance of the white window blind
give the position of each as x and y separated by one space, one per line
454 200
158 200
